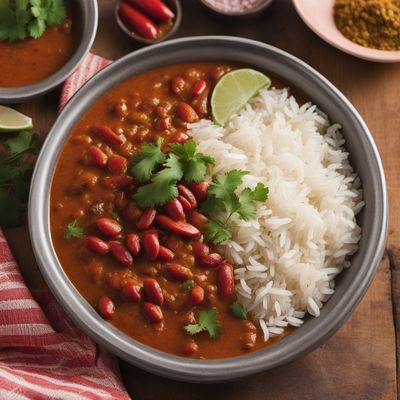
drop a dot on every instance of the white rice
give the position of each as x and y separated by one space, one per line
288 257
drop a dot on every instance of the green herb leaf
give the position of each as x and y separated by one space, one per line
23 142
147 160
187 285
217 232
238 310
207 322
225 185
73 231
247 201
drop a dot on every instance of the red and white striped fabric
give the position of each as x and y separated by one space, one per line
43 355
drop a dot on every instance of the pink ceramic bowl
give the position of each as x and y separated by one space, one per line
318 16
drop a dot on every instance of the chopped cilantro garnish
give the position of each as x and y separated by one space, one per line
238 310
72 230
207 322
187 285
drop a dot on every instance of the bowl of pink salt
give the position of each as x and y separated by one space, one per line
237 8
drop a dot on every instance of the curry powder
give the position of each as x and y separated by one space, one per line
370 23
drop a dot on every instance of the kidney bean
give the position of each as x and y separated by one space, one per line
186 112
217 73
120 108
131 212
178 85
121 253
120 200
188 319
179 137
108 226
153 312
200 250
166 254
151 244
133 243
96 245
153 291
118 182
106 307
200 103
107 134
155 8
97 157
211 261
198 88
200 190
179 227
164 124
175 210
146 219
185 203
225 280
114 282
117 165
198 220
138 21
249 340
179 272
197 295
189 348
173 243
131 292
187 194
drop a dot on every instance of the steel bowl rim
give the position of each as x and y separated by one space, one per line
162 363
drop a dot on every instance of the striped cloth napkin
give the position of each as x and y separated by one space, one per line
43 355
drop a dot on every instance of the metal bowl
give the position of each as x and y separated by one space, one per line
351 285
85 19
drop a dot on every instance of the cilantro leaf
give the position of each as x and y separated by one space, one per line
145 162
225 185
217 232
238 310
73 231
247 200
23 142
36 28
56 12
207 322
187 285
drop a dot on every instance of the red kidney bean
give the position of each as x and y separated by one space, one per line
188 195
249 340
211 261
173 243
133 243
179 227
114 282
198 220
107 134
186 112
151 244
96 245
120 200
175 210
120 108
197 295
97 157
118 182
117 164
217 73
200 103
185 203
153 291
146 219
108 226
166 254
189 348
200 250
225 280
154 8
121 253
179 272
198 88
106 307
200 190
138 21
131 212
164 123
178 85
131 292
179 137
153 312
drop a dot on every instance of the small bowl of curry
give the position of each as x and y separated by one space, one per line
45 50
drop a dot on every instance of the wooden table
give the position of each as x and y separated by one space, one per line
359 362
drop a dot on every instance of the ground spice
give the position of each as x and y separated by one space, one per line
370 23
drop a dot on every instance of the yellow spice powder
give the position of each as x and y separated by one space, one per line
370 23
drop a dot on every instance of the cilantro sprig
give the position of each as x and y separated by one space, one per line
189 284
15 173
238 310
207 322
73 231
20 19
182 163
224 202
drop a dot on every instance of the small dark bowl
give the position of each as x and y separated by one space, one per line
175 6
252 12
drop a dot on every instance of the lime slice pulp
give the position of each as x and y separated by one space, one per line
233 91
13 121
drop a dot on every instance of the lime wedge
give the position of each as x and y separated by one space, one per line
13 121
234 90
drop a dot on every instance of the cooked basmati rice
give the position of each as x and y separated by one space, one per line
303 235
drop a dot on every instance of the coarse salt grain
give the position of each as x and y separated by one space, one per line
233 6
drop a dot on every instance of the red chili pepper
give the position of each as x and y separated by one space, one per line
154 8
138 21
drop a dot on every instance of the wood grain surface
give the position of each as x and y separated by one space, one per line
357 363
